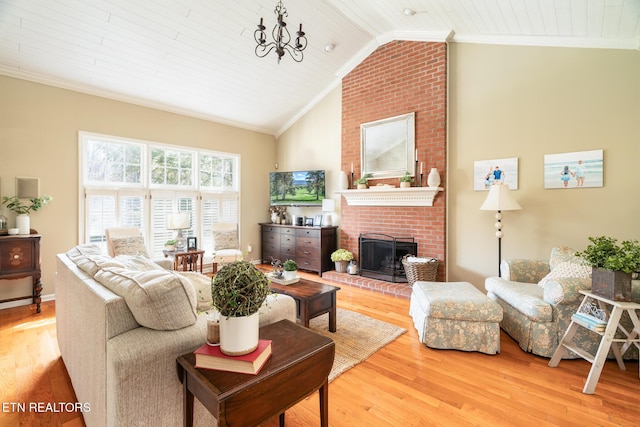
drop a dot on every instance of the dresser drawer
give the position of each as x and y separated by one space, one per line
308 232
307 252
287 252
273 238
288 231
270 229
287 240
307 242
312 264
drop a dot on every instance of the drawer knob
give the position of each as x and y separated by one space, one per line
16 256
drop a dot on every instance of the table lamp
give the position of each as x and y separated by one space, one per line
179 221
499 199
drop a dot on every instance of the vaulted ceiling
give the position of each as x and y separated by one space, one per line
196 57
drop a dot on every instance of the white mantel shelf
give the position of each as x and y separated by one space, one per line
391 196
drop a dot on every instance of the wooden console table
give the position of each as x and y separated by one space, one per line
299 365
607 339
20 258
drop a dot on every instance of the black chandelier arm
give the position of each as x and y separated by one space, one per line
263 50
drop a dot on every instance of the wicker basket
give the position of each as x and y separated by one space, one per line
424 269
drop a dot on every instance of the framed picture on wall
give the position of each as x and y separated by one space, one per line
574 170
489 172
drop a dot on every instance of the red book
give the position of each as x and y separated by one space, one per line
210 357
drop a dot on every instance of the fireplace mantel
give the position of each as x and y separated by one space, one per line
391 196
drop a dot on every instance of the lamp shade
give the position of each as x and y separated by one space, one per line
179 221
499 199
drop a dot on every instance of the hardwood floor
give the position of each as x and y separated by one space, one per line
403 384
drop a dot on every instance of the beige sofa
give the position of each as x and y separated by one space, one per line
119 351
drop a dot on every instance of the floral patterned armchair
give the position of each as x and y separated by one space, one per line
538 298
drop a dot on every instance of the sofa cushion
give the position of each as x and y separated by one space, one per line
158 299
202 286
527 298
137 262
90 258
129 245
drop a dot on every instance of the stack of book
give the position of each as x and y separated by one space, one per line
589 322
211 357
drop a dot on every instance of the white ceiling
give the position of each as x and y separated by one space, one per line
196 57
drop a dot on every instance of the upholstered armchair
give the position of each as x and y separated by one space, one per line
130 241
538 298
226 247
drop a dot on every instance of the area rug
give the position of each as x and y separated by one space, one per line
357 337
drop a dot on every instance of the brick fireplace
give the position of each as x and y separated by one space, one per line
398 78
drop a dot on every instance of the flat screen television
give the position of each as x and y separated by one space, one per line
299 188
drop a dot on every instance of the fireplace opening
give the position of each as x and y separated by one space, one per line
381 256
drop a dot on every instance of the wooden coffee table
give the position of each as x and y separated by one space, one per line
299 365
312 300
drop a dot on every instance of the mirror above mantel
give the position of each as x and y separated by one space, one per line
391 196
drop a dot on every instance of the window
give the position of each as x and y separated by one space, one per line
119 192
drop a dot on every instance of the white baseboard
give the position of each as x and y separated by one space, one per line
20 303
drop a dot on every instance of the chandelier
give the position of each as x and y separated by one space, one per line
281 38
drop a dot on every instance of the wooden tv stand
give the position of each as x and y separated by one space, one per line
309 247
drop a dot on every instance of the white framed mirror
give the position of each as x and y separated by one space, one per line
387 146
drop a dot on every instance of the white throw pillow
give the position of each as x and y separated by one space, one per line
158 299
567 270
130 245
90 259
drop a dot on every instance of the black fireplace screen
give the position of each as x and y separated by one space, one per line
381 256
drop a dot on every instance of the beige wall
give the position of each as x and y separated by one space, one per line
39 138
527 102
314 142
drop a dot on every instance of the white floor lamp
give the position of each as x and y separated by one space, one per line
499 199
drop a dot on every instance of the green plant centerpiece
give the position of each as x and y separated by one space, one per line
341 257
19 207
363 180
290 265
612 266
238 290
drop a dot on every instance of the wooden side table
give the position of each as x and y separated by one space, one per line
299 365
20 258
187 260
607 341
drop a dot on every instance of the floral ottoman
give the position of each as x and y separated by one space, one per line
455 315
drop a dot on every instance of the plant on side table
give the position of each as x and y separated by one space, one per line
170 245
612 266
22 209
341 257
238 290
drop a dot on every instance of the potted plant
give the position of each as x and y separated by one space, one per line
406 180
363 181
290 268
22 209
238 290
612 266
170 245
341 257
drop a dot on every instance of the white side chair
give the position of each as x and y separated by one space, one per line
226 247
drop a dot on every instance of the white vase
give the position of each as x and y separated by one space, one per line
433 180
289 275
239 335
344 181
275 218
23 224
